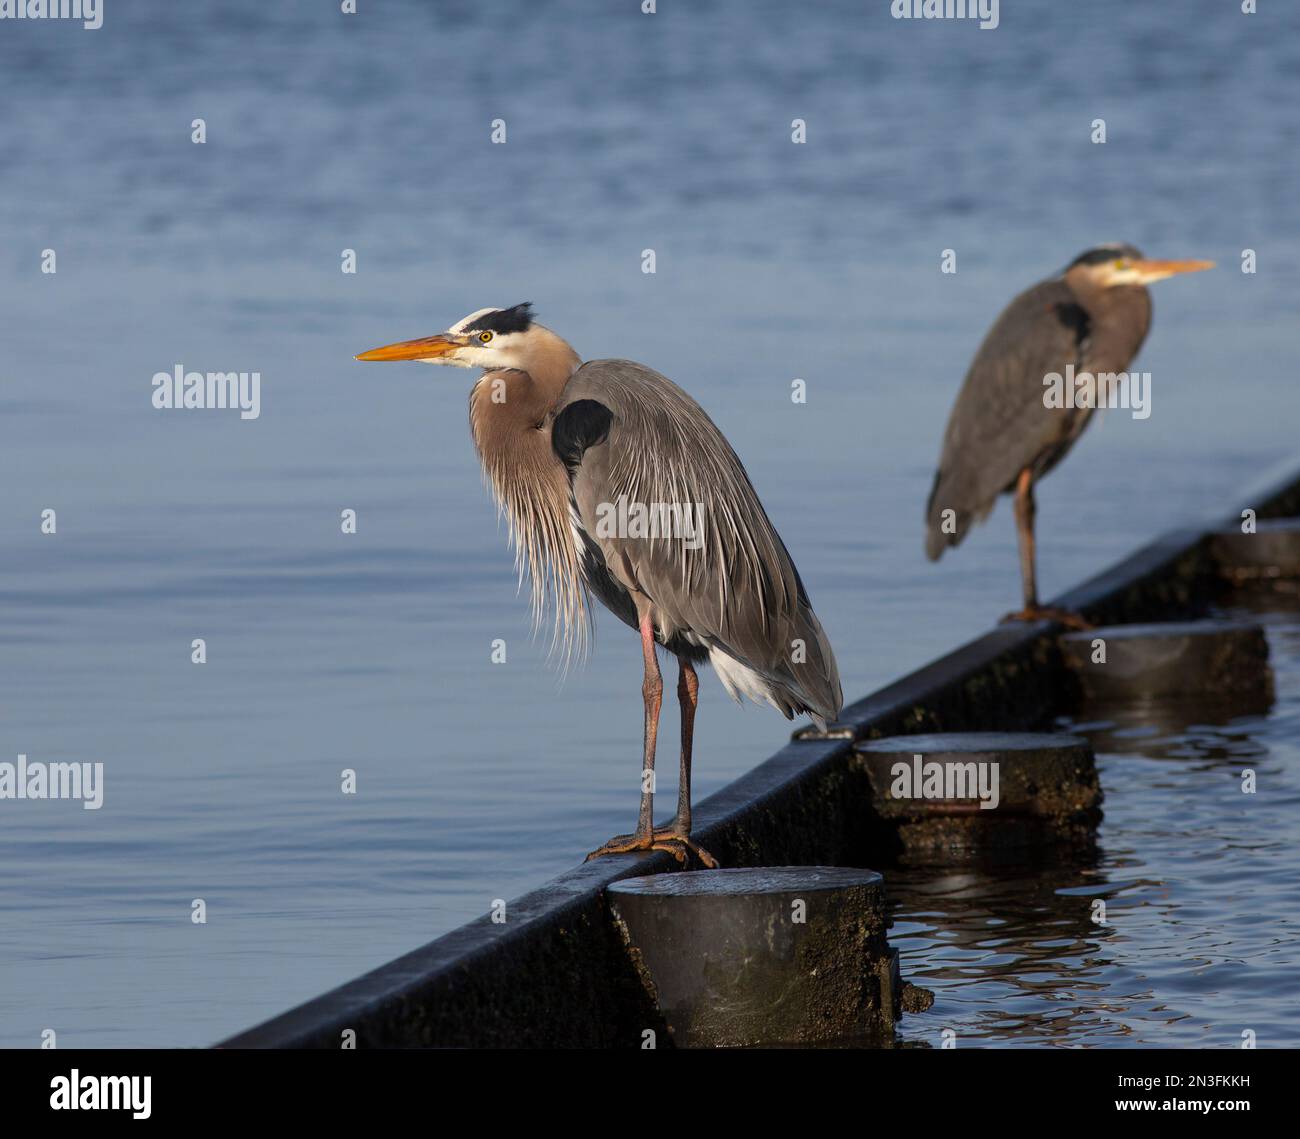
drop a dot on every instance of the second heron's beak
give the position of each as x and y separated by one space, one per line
432 348
1149 271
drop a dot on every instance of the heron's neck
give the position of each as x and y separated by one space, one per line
1120 318
509 414
542 373
507 400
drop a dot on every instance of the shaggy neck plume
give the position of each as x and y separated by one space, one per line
509 416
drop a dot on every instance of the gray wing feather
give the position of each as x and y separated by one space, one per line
731 584
999 424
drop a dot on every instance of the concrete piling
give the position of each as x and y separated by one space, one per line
763 955
1220 661
972 792
1270 553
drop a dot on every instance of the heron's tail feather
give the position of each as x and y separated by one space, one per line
817 679
951 510
808 682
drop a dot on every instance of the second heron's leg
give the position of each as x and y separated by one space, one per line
1028 573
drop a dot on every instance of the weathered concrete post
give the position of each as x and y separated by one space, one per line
1270 553
950 793
764 955
1175 660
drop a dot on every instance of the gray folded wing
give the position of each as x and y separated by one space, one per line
1000 424
660 493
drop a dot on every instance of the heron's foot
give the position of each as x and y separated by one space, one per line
1066 617
661 838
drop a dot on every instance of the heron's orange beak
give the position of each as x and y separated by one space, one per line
1159 270
428 348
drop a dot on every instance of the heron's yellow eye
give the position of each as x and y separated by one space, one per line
1121 265
485 336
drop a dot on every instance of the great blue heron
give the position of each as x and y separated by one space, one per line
615 482
1003 435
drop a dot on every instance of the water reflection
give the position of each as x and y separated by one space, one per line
1179 931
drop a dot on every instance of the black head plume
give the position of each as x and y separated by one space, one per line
1104 253
503 320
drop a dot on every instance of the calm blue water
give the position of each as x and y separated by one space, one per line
371 652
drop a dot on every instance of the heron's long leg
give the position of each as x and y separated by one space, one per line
688 697
652 692
1025 527
675 838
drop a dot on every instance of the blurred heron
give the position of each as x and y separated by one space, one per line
571 451
1002 435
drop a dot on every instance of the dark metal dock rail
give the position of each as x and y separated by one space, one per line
555 973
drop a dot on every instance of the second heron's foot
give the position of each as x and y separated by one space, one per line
1067 617
661 838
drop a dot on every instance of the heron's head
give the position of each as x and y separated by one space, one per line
1118 264
490 338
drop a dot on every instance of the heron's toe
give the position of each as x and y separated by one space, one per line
1066 617
669 841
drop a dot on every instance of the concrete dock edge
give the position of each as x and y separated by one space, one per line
555 974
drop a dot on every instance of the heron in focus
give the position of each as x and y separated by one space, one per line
616 483
1002 435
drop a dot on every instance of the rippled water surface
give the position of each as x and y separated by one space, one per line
775 262
1201 934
